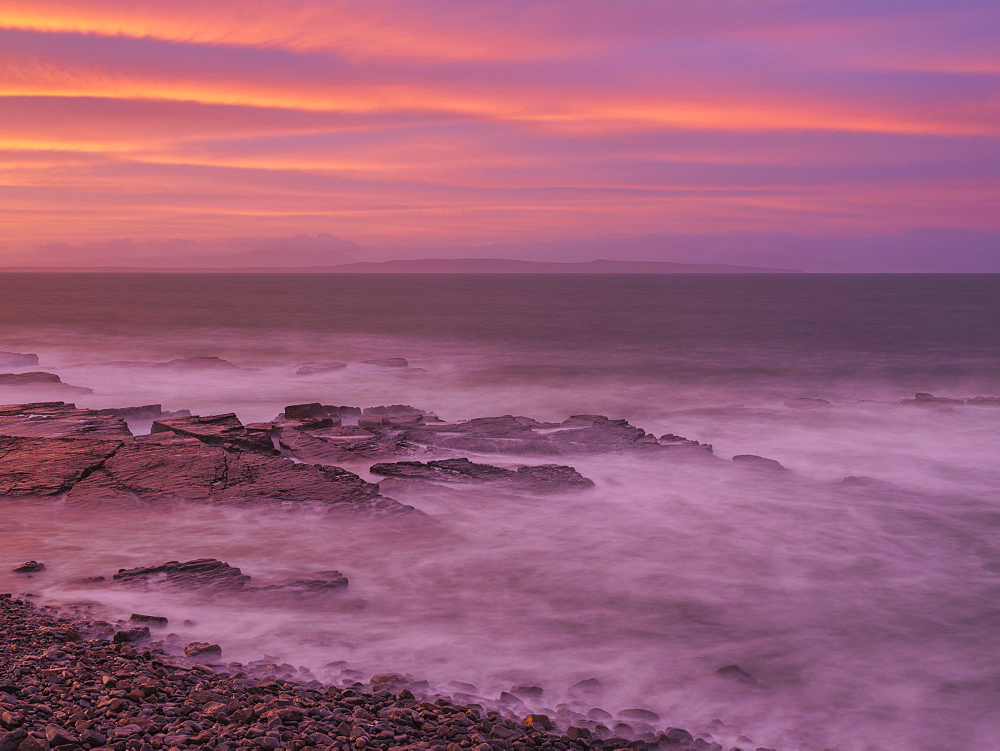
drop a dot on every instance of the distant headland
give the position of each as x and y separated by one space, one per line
437 266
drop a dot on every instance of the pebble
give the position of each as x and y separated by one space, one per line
71 684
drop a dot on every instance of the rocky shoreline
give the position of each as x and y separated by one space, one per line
67 682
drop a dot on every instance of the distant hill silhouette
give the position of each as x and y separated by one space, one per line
510 266
441 266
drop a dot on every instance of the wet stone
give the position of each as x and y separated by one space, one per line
29 567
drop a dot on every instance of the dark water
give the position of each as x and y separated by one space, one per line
868 615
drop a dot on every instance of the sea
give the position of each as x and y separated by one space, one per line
858 592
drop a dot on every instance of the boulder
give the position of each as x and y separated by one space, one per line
545 478
156 620
131 634
217 430
49 466
59 419
17 360
202 649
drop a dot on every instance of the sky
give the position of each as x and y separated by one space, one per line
473 124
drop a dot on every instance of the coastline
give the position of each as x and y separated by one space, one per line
69 682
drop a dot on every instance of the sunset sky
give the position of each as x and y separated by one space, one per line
465 122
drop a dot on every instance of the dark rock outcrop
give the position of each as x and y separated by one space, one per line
203 573
48 466
319 368
393 410
806 402
545 478
217 430
402 430
927 399
17 360
212 575
198 363
752 461
310 411
735 673
142 413
341 443
39 381
29 567
60 420
184 469
94 458
984 401
580 434
388 362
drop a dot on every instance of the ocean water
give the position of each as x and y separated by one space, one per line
867 612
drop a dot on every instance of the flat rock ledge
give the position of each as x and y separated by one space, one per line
54 449
64 687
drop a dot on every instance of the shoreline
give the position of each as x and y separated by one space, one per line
68 682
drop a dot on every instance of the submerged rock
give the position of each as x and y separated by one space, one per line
806 402
925 398
545 478
984 401
388 362
319 368
203 573
198 363
758 462
735 673
210 574
17 360
29 567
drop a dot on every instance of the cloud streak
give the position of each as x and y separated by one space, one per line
449 122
